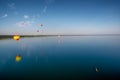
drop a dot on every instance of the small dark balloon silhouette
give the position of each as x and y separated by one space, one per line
41 25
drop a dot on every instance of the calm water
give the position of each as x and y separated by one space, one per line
64 58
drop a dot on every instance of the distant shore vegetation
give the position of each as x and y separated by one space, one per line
2 37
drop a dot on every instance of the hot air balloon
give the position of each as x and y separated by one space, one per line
18 58
41 25
16 37
37 30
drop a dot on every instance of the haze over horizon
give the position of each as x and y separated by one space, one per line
25 17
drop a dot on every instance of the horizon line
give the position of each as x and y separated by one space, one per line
65 35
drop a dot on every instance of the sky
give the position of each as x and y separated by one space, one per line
24 17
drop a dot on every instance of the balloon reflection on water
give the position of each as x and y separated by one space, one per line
18 58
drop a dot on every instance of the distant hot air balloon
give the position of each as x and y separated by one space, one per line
37 30
16 37
18 58
41 25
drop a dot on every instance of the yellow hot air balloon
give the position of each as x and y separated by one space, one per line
18 58
16 37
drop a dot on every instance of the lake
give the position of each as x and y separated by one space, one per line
61 58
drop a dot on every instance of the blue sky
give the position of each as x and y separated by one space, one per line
59 17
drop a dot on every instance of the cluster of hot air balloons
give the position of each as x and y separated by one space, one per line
41 25
17 38
18 57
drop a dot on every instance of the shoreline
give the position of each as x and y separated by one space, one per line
24 36
63 35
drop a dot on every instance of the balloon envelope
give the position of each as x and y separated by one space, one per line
41 25
37 30
16 37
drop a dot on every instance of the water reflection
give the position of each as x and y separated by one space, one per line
41 58
18 58
36 59
59 39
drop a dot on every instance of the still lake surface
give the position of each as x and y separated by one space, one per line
61 58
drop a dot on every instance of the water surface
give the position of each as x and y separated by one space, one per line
64 58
